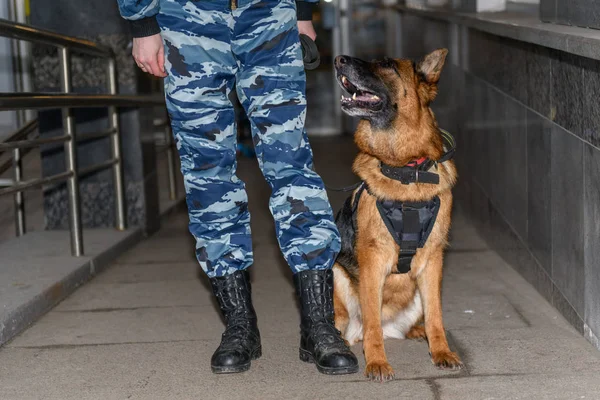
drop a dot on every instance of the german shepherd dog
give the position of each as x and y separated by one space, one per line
371 300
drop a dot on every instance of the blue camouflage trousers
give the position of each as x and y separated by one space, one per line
211 49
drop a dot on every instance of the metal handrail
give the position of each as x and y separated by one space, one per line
14 142
36 183
31 34
22 132
39 101
67 101
31 143
16 164
170 150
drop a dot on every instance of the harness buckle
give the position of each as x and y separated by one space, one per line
409 175
404 262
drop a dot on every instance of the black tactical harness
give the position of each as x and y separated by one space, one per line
410 223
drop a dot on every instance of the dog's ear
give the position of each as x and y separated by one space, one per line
431 66
430 69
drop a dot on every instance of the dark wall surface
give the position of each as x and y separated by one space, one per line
526 122
584 13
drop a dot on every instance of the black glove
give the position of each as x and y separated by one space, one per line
310 53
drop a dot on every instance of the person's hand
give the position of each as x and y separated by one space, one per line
149 54
306 28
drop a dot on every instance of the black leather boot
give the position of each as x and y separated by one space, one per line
320 342
240 342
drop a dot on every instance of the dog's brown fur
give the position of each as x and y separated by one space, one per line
378 297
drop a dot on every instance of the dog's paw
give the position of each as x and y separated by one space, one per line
417 332
379 371
446 360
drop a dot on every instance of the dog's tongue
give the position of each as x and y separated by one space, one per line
365 97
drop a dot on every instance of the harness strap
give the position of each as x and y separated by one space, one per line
409 223
361 188
410 237
450 146
345 188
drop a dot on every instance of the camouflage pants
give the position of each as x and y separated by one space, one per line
254 49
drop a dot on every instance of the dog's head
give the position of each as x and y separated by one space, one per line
389 91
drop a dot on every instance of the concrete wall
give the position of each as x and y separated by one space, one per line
584 13
479 5
526 121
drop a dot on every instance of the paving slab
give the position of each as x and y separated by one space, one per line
156 253
154 272
179 371
111 296
565 386
526 350
153 324
146 328
410 360
37 271
157 324
492 311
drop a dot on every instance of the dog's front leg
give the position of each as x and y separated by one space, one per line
430 285
373 272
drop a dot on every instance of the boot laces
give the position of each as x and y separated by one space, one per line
324 333
238 333
235 308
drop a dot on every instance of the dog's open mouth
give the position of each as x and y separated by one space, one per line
359 97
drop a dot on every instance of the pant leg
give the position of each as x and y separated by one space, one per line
271 85
201 75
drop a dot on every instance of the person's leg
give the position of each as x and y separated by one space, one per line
271 86
201 75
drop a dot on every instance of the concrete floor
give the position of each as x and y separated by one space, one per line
146 328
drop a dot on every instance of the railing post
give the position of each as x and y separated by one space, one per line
19 196
115 141
71 157
171 161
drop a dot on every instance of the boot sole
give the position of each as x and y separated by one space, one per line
307 357
256 354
